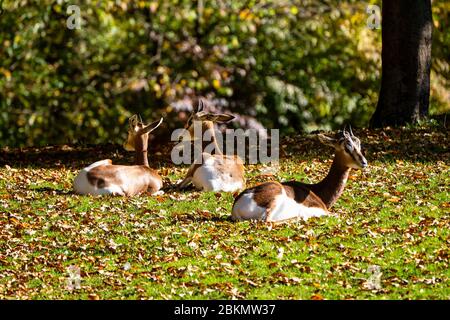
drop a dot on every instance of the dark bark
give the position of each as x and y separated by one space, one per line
406 60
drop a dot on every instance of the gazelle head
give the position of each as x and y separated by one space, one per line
348 148
206 119
138 133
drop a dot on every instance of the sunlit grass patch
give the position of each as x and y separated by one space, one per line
181 245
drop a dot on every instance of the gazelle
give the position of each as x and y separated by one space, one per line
215 171
278 202
102 177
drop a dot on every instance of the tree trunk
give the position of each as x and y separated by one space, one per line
406 60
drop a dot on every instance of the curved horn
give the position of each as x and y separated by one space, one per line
342 131
350 130
132 121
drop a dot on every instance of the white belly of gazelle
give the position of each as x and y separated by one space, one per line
287 208
282 208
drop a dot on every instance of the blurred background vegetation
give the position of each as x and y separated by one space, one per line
293 65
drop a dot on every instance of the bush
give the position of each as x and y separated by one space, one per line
295 65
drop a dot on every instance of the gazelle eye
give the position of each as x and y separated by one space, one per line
348 147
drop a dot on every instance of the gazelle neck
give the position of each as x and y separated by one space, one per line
140 155
332 186
208 127
217 148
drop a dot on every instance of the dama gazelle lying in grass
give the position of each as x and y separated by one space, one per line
278 202
215 171
102 177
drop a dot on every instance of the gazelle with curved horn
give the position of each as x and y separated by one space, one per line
102 177
215 171
278 202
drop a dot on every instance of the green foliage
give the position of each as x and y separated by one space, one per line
296 65
184 245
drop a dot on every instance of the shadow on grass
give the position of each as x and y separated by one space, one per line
52 191
384 145
186 217
74 157
422 144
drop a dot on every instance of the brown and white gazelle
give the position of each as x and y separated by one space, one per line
215 171
278 202
102 177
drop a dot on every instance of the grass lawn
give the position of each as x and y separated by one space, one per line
393 216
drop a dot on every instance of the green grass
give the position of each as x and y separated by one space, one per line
394 215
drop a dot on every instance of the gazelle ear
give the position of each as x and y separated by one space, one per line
150 127
223 117
200 105
216 117
332 142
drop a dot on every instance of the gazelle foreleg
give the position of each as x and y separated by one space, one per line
183 184
188 179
